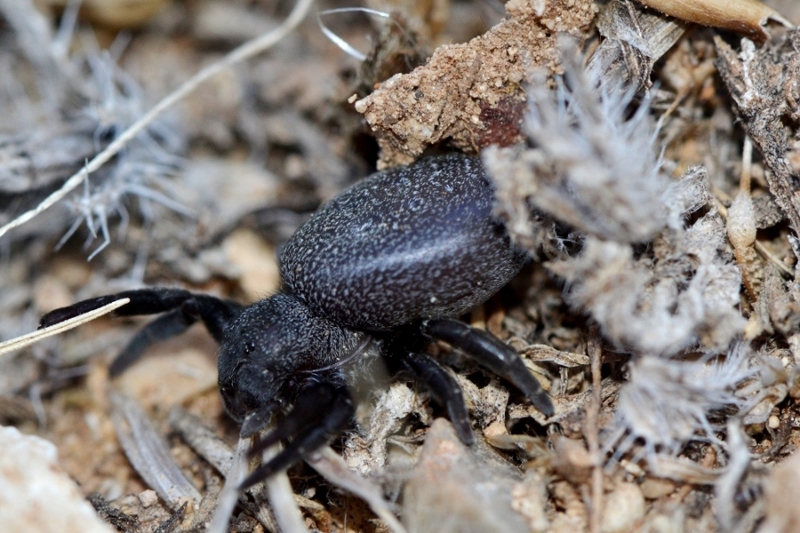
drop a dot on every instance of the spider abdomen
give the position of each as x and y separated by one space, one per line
409 243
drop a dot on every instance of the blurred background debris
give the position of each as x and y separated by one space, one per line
648 162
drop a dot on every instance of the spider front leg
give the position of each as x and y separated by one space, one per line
183 309
162 328
491 353
321 412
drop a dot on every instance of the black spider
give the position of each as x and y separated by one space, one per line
389 262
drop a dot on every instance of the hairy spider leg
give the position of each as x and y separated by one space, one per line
183 309
162 328
444 389
490 352
321 412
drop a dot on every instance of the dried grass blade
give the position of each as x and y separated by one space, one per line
229 495
202 440
149 454
333 468
34 337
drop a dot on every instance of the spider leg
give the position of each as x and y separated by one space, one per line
321 412
493 354
445 390
143 302
162 328
183 309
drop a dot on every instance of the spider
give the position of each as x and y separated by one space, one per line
388 263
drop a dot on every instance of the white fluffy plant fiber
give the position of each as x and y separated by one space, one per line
597 168
662 286
667 403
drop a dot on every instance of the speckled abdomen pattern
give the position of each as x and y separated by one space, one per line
408 243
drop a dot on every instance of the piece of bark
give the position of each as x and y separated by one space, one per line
765 84
634 39
472 94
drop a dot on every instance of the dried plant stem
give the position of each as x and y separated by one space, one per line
775 260
333 468
245 51
149 454
593 432
229 495
707 463
747 165
31 338
282 500
728 483
761 104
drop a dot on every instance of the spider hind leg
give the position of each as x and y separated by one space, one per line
444 389
488 351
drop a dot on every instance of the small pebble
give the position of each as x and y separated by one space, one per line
623 509
653 488
148 498
36 495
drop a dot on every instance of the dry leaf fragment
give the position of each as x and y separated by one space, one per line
634 39
743 16
149 454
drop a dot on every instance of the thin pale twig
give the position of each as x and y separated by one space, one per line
226 503
333 468
338 41
747 165
34 337
282 500
593 432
